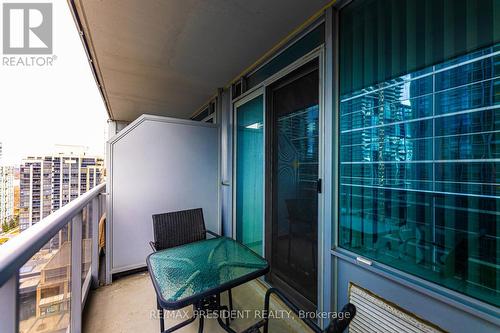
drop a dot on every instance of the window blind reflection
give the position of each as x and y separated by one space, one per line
419 149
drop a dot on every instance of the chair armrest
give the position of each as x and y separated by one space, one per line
264 323
310 323
212 233
339 325
336 326
153 246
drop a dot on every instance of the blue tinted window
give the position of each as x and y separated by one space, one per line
249 173
419 140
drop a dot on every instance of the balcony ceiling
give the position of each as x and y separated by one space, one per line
168 57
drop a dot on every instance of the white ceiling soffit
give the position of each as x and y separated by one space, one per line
168 57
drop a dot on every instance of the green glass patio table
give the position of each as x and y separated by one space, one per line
186 274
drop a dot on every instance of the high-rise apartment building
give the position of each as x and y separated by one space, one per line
17 196
47 183
6 194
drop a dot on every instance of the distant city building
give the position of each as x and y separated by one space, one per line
6 194
53 291
48 183
17 193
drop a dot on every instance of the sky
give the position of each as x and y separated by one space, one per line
44 106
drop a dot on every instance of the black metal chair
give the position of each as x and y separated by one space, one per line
337 325
175 229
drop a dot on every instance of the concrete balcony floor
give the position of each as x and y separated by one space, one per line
129 305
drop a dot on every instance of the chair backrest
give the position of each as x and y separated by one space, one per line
178 228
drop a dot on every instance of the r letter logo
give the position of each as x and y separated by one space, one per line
27 28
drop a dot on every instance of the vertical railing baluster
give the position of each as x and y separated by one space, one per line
9 305
76 273
94 220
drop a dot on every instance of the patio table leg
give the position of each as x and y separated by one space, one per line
230 300
184 323
200 327
162 316
224 325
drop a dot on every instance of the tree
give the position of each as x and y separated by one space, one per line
12 223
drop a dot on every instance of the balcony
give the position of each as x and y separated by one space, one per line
353 144
53 270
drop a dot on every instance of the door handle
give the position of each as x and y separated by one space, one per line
319 185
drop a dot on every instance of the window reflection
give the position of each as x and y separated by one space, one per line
420 176
249 174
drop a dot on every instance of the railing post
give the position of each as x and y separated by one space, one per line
94 220
106 204
76 274
9 305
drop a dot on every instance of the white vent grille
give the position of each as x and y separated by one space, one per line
375 315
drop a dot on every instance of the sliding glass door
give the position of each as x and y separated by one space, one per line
250 173
293 169
277 179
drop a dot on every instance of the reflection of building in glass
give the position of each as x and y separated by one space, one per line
419 173
50 182
298 132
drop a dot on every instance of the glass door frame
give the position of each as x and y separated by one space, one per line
297 66
325 278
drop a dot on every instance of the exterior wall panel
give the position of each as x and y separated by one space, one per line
438 312
159 165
